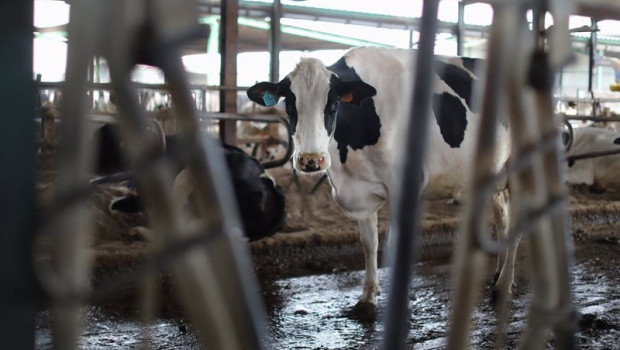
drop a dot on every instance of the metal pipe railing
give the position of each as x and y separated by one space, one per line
405 229
215 283
262 118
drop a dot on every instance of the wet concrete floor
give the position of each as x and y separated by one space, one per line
309 312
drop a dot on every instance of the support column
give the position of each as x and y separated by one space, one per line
17 176
275 42
460 29
592 43
229 35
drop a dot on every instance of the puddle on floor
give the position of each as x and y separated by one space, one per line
310 312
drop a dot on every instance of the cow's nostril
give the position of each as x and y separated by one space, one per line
310 161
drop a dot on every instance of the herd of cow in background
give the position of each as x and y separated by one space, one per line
347 121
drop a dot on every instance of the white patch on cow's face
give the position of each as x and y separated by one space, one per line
310 84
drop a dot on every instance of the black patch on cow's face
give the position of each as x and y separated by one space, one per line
291 109
290 100
357 126
617 141
458 79
331 109
451 117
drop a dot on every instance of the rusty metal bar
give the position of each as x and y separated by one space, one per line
405 228
229 35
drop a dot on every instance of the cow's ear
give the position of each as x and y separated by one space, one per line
267 94
353 91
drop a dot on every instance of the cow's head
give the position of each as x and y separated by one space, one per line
312 94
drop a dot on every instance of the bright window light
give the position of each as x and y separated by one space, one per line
50 13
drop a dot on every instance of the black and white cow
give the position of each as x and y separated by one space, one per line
600 173
348 119
260 201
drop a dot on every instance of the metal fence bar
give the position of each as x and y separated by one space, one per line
405 228
469 260
17 176
594 119
72 224
166 87
236 288
259 118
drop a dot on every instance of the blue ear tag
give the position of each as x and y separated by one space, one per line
269 99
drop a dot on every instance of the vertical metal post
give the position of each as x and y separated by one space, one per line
469 260
460 29
17 176
229 34
71 225
405 229
552 285
203 100
592 43
275 41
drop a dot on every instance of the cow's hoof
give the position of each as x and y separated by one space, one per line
363 311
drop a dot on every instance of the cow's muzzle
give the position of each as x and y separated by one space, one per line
310 162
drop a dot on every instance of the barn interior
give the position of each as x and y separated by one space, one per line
78 274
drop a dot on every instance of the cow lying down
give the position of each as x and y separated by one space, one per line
601 173
260 201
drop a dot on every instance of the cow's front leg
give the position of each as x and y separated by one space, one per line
504 275
366 307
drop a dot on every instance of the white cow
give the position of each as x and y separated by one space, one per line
601 173
348 120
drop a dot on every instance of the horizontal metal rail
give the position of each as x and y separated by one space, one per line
591 118
108 86
262 118
583 156
589 99
525 225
